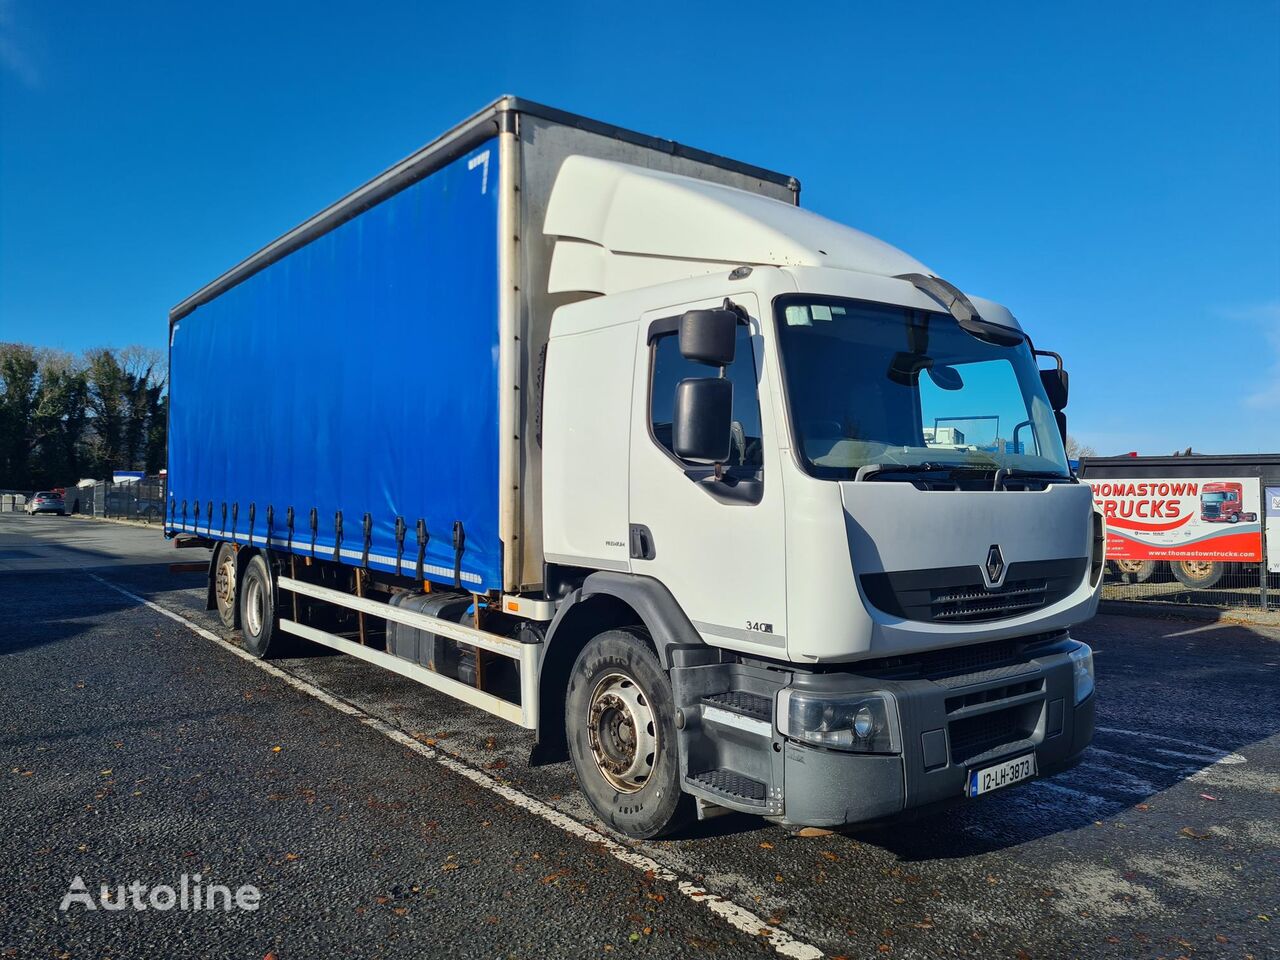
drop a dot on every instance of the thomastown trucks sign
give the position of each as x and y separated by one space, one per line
1168 519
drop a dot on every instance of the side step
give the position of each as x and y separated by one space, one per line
740 768
749 712
736 788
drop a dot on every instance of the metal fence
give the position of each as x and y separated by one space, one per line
136 500
1207 583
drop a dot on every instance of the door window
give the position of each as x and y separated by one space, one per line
746 450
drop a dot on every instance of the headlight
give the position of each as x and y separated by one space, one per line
858 722
1082 666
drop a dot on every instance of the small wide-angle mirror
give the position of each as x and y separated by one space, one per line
945 376
905 369
709 336
702 422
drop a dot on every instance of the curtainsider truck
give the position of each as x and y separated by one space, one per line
736 507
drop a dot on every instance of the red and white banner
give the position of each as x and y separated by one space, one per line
1168 519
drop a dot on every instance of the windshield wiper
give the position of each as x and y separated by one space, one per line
962 308
998 474
926 467
1037 474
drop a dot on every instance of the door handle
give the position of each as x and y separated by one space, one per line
642 547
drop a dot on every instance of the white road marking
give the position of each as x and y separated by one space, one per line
1112 775
1205 753
1129 758
783 943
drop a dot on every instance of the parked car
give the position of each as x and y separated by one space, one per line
47 502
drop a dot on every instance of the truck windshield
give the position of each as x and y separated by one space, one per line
879 384
1216 497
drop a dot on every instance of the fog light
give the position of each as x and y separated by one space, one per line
856 722
1082 666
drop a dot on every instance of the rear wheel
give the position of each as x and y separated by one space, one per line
620 724
1198 574
258 616
224 585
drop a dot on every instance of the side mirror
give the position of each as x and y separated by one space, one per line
702 422
1055 382
709 336
1055 387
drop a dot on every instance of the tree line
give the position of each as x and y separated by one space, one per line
66 417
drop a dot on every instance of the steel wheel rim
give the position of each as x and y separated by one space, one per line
224 586
623 732
1129 566
253 606
1197 569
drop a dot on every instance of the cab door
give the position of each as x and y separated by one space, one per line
718 545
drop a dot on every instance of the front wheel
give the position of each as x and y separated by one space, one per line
620 724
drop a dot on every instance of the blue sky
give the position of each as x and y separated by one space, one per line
1110 171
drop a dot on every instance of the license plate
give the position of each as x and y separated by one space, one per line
1001 775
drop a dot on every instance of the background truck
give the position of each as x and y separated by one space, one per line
1224 503
608 437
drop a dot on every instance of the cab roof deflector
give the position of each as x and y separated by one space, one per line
962 308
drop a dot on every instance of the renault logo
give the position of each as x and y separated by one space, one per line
994 568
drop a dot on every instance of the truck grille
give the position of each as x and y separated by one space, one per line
974 736
958 594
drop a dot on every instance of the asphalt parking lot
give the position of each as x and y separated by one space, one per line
377 818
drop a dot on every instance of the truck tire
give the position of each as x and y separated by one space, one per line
1234 518
224 586
1133 571
1198 574
258 615
620 724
